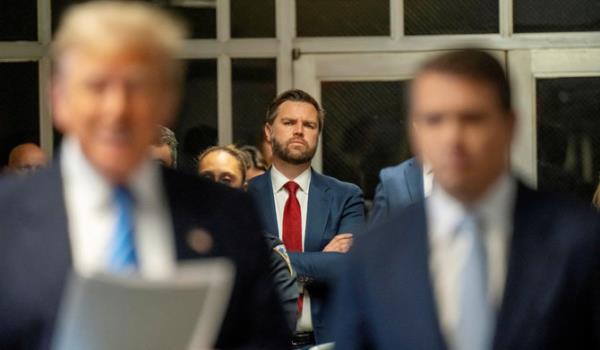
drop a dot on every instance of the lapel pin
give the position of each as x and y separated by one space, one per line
200 240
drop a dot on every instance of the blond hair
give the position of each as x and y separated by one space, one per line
113 25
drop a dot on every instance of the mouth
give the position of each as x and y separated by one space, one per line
114 137
297 142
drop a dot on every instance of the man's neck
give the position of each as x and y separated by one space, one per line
290 171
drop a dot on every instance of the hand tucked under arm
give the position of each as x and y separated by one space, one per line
341 243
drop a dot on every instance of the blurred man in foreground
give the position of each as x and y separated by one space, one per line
225 164
485 262
26 158
106 207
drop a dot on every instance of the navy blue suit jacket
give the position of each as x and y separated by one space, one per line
35 257
333 207
399 186
551 299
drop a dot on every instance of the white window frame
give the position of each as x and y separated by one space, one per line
313 69
525 67
286 45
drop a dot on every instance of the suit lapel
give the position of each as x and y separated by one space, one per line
529 286
267 204
317 212
414 180
49 227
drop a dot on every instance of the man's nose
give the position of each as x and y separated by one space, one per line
116 101
298 129
454 131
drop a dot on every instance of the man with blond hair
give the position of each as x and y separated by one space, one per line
105 206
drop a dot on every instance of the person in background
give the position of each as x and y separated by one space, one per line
105 206
223 164
315 216
26 158
226 165
485 262
256 165
164 150
400 186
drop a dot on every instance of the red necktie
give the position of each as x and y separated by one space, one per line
292 225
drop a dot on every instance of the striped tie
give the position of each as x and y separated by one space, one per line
122 255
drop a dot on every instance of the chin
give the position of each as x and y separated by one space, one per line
116 166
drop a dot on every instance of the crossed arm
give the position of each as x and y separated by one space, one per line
324 266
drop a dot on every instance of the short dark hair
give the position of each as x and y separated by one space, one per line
294 95
231 150
473 64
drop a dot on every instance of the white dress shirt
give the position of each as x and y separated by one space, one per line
281 196
427 181
448 251
92 216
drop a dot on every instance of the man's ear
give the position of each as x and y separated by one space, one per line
57 105
268 131
413 129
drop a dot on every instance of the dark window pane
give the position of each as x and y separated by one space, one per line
451 17
568 135
254 86
556 16
365 130
19 106
253 19
196 126
201 19
343 17
18 20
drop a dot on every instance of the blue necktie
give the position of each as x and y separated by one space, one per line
476 320
122 255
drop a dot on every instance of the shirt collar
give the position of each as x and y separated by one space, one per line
427 169
279 180
495 208
79 172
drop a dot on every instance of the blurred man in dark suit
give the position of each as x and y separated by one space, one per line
105 206
485 262
314 215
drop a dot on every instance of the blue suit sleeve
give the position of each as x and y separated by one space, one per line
380 202
320 267
353 216
317 267
346 317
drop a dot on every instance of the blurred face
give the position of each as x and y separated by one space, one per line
111 103
460 128
162 154
222 167
294 134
